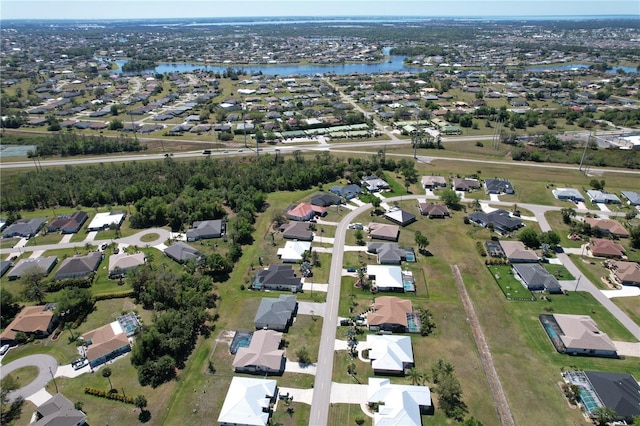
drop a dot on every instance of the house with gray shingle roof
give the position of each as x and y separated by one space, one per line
206 229
498 186
182 252
388 253
602 197
79 266
58 410
632 197
44 264
536 278
276 314
277 277
25 228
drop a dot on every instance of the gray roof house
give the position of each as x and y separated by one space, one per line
206 229
325 200
263 356
536 278
568 194
602 197
78 266
618 391
120 263
498 186
388 253
632 197
4 266
297 231
501 220
276 314
58 411
401 217
348 191
277 277
68 223
25 228
182 252
45 264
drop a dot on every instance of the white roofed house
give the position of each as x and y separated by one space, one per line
248 402
390 354
398 405
120 263
102 221
293 251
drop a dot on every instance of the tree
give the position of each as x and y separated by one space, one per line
529 238
550 237
426 321
9 411
415 376
34 289
450 397
140 402
8 307
597 184
451 199
471 421
302 353
106 373
115 124
421 240
567 214
603 415
359 237
634 236
74 303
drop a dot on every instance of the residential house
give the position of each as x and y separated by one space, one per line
38 321
601 247
516 252
386 278
602 197
389 253
79 266
501 220
608 227
390 354
568 194
102 221
536 278
5 265
400 217
432 210
400 405
325 200
41 264
277 277
105 343
58 411
276 314
297 231
121 263
625 273
182 252
580 335
617 391
433 182
293 251
248 402
383 231
465 184
68 223
374 183
206 229
24 228
263 356
305 211
498 186
633 198
347 192
390 313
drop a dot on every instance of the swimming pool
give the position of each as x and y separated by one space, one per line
242 339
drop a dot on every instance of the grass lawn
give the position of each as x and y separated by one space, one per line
560 272
346 415
510 286
592 269
48 238
23 376
630 305
6 243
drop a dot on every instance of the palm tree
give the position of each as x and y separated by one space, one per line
106 372
415 376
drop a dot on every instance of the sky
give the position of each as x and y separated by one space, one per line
137 9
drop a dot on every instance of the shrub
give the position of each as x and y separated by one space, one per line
108 395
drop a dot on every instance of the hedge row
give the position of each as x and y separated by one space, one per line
496 261
113 396
114 295
54 286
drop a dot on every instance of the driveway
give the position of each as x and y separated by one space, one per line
311 308
47 366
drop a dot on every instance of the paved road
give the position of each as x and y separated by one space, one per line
133 240
47 366
322 387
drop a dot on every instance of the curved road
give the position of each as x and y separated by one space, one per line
47 366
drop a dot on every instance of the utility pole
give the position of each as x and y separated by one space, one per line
54 380
584 153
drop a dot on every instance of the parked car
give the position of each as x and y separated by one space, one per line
4 349
79 363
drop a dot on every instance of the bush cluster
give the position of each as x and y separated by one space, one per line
113 396
114 295
496 261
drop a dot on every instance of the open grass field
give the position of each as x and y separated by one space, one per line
560 272
630 305
510 286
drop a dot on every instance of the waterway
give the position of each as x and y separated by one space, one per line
391 64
